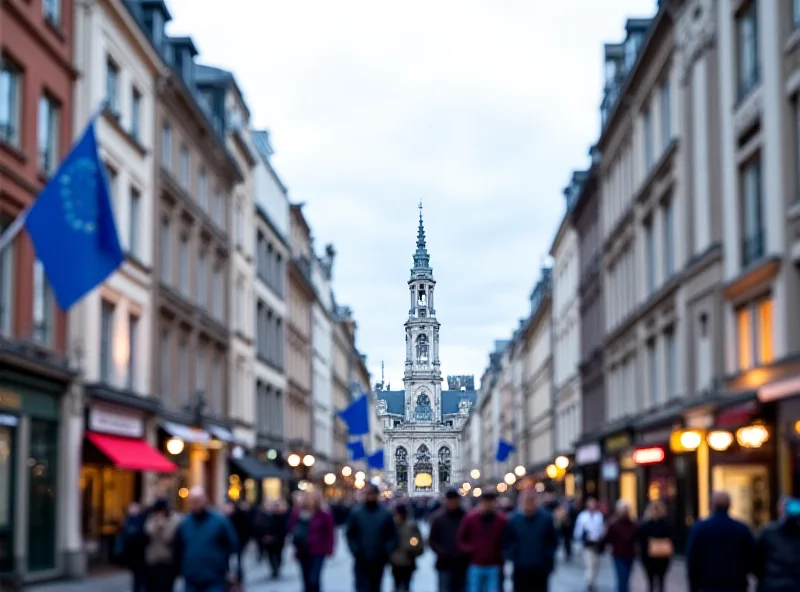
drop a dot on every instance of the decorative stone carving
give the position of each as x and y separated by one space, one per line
695 31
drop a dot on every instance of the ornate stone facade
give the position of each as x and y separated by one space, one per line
422 423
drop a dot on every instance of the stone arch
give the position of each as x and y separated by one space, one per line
445 458
423 348
401 468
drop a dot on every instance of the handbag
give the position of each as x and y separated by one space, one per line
660 548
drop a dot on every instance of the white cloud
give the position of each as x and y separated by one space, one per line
482 109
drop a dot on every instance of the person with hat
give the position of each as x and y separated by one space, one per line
451 562
480 537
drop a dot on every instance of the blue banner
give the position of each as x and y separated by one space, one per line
376 460
504 449
356 416
357 451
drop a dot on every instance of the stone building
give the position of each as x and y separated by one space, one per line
422 423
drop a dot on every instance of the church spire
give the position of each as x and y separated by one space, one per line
421 256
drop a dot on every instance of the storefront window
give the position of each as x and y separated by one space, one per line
748 486
6 491
42 474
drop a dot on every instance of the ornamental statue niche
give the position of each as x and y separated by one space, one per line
422 348
423 411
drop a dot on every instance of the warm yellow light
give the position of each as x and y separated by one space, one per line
175 446
360 476
502 487
475 474
359 484
183 493
461 492
562 462
413 541
347 471
329 479
691 439
519 471
510 478
552 471
752 436
477 492
797 426
466 487
309 460
293 460
720 440
423 480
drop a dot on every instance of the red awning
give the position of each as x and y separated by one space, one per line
132 454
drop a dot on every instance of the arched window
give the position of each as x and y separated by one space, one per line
444 467
401 468
423 412
422 348
423 469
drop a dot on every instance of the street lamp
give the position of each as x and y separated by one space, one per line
346 471
475 474
330 479
519 471
309 460
562 462
175 446
360 476
510 479
293 460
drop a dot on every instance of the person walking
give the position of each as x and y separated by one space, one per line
451 563
530 543
372 537
657 546
410 546
621 536
720 551
313 530
204 544
589 529
778 552
130 545
480 538
160 528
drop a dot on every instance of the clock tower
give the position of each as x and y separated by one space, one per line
422 376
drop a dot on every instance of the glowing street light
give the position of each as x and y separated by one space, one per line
346 471
330 479
293 460
309 460
520 471
475 474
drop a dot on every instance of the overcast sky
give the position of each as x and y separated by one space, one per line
481 108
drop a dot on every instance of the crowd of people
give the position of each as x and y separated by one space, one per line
472 545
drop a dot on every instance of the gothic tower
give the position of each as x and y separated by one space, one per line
422 377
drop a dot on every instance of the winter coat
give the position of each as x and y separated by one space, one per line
778 557
409 546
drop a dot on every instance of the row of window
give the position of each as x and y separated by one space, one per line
184 380
269 336
48 138
665 127
206 286
270 265
660 270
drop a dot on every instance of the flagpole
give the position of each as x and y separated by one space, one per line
10 233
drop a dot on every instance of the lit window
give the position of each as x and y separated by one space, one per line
754 334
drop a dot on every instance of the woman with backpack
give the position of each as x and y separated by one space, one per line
313 531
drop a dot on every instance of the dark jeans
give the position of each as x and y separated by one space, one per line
402 578
369 577
274 555
311 566
160 578
530 580
657 581
452 580
567 538
623 568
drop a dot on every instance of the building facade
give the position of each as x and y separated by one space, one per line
566 327
39 399
272 251
422 424
340 381
300 296
322 356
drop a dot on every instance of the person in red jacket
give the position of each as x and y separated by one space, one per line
480 538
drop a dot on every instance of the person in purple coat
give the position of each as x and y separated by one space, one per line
312 529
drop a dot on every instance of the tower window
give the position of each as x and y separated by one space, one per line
422 348
422 299
423 412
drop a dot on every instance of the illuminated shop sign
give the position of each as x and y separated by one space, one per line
648 456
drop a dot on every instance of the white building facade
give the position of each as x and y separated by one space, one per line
423 424
566 319
111 328
322 358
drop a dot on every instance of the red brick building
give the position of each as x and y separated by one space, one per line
36 79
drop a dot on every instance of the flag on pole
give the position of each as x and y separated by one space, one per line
71 225
376 460
356 449
356 416
504 449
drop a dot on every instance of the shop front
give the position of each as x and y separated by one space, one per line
189 448
31 474
257 479
116 461
618 472
587 465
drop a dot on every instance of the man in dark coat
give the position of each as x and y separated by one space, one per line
371 536
451 563
530 544
720 551
778 552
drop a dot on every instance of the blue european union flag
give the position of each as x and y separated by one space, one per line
503 450
356 416
356 449
375 460
72 227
